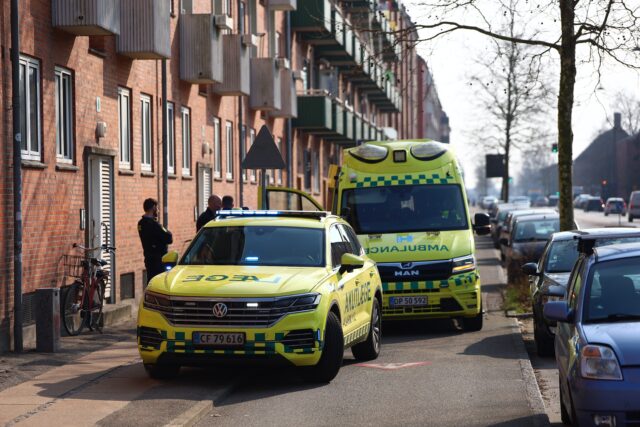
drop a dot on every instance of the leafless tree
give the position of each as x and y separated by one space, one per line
515 95
628 105
597 30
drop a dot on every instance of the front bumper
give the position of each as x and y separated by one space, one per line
458 296
618 398
296 339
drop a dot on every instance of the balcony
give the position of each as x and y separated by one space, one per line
289 101
265 85
359 6
315 113
200 49
236 80
144 29
313 17
86 17
283 5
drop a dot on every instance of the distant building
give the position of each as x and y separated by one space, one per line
604 167
433 122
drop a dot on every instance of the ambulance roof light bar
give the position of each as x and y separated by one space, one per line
238 213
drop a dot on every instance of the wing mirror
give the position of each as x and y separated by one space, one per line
554 291
530 269
350 262
482 224
170 259
558 311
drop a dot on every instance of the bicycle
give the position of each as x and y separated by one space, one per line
84 300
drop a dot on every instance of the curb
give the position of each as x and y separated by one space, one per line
513 314
534 396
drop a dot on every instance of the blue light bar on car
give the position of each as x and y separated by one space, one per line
237 213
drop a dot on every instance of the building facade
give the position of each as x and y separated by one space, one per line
319 74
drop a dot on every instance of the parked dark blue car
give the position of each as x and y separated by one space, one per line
597 340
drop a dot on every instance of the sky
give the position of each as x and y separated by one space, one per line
450 58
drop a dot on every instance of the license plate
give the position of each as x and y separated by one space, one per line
408 301
219 339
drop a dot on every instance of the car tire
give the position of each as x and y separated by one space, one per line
332 352
606 214
473 324
630 218
370 348
544 343
162 371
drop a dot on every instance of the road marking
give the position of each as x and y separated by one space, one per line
392 366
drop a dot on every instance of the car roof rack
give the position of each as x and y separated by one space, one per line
240 213
587 242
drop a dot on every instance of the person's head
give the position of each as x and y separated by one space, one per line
214 203
150 207
227 202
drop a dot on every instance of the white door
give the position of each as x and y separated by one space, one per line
204 188
100 215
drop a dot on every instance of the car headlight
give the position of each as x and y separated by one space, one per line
156 301
599 363
463 264
297 302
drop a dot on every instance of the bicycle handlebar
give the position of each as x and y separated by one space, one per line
86 249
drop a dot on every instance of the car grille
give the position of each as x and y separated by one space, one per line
149 337
199 312
632 418
301 338
417 271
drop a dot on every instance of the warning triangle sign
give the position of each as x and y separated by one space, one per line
264 153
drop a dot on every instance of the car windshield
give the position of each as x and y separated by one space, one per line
535 230
405 208
613 293
257 245
562 256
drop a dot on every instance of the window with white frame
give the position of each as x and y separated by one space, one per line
146 158
279 171
316 171
252 137
64 115
217 149
186 141
243 150
124 125
30 124
171 138
229 150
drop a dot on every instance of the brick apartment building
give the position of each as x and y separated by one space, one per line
328 73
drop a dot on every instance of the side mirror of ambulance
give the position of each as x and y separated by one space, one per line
170 259
482 224
350 262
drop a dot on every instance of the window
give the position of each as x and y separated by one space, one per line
171 142
124 117
229 149
64 115
252 137
316 171
30 108
241 17
217 149
279 172
146 159
186 141
243 150
306 164
339 246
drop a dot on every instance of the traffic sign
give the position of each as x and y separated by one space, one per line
264 153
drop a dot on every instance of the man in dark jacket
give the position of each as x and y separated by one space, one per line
154 237
213 205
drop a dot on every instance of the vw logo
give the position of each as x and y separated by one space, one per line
220 310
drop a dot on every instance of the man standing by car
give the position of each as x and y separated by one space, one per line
227 203
154 238
213 205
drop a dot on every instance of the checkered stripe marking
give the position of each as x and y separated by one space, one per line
263 345
388 180
359 333
455 281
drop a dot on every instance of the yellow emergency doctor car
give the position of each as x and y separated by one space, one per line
264 285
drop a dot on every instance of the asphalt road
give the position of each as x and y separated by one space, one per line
463 379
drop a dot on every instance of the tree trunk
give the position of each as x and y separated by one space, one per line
505 177
565 110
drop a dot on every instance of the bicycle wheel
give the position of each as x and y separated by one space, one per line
74 318
96 305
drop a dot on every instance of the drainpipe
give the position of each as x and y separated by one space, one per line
17 179
241 135
165 161
288 127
